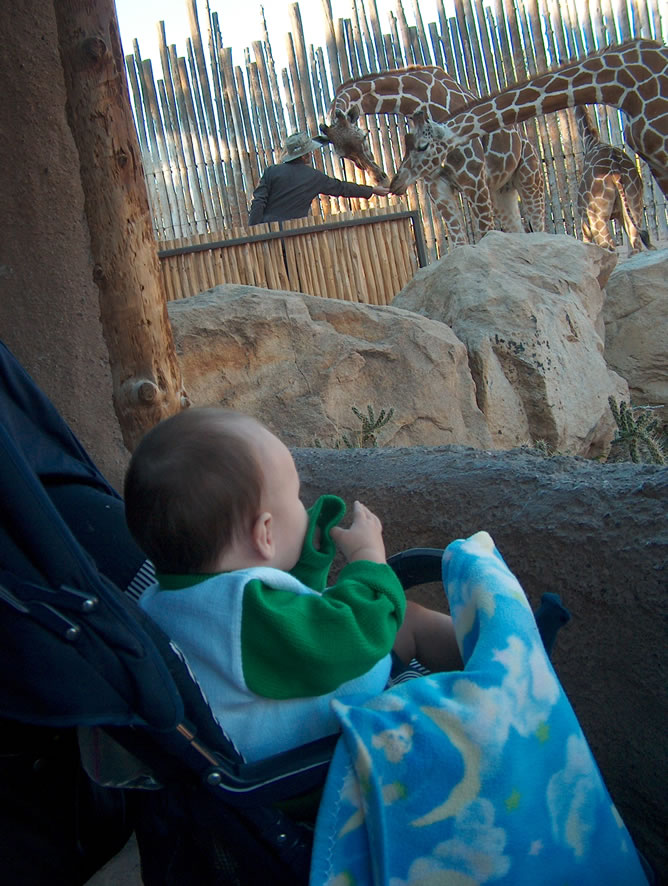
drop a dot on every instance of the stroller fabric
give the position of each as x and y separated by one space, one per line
73 654
477 776
58 827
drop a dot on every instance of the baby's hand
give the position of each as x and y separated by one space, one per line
364 539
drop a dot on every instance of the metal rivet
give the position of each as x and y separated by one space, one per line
214 777
90 604
72 633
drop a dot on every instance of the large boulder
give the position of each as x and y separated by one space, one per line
528 308
635 313
299 363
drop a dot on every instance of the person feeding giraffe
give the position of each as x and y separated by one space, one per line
287 188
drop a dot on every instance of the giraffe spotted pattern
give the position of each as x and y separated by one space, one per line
632 77
610 188
427 155
483 170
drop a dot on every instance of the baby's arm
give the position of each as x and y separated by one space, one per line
364 539
325 639
425 634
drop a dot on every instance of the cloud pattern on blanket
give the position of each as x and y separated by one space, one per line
477 776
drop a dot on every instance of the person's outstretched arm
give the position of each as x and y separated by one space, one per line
335 187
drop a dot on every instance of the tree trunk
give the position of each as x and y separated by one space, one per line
146 377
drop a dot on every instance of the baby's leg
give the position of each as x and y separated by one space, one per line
428 636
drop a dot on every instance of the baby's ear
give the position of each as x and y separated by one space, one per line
263 535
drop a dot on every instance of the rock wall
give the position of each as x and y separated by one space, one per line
595 534
635 313
528 309
494 346
300 362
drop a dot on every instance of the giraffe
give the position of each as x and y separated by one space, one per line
426 155
610 188
632 76
479 165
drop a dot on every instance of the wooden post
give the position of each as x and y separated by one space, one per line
147 384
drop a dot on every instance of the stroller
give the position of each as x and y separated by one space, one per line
104 730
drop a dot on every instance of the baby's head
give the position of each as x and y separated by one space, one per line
210 490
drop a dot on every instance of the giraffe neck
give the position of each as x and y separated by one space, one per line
403 91
602 78
587 128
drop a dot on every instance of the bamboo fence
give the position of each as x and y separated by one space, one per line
325 259
207 128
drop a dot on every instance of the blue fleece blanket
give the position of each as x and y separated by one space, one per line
477 776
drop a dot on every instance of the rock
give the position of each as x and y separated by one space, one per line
299 363
594 533
635 313
528 308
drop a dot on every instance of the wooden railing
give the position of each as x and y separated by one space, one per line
363 257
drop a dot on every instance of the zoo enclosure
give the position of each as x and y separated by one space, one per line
207 128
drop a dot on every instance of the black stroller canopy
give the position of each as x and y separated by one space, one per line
72 651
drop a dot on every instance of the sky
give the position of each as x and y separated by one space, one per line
241 22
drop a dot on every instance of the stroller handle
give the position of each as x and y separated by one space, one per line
417 566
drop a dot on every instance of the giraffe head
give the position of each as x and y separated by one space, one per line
351 142
426 150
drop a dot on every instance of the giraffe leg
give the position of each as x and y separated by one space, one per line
601 234
507 210
602 210
635 241
586 231
528 180
596 204
443 197
503 156
467 172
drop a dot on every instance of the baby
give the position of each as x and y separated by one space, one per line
212 497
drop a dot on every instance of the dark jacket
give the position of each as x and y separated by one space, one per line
287 189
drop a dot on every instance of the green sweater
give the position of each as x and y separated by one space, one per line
303 645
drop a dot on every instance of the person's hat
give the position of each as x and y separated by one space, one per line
298 144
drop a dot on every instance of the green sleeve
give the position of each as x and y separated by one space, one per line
314 564
301 645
